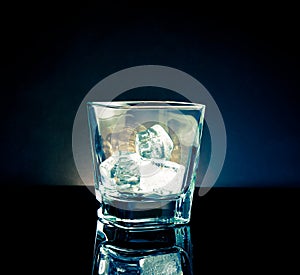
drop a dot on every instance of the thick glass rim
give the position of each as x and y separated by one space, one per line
144 104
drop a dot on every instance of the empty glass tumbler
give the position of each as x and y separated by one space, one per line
145 156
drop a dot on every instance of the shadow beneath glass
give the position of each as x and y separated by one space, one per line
166 251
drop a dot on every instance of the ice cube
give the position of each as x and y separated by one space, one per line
120 171
154 142
130 173
166 264
126 170
160 177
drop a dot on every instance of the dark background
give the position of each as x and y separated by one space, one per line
246 55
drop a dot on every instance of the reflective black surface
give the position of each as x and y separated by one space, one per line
157 251
52 230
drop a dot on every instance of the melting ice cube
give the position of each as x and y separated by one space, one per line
166 264
154 143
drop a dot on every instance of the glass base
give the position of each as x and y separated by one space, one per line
147 214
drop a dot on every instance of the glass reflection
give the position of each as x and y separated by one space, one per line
166 251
